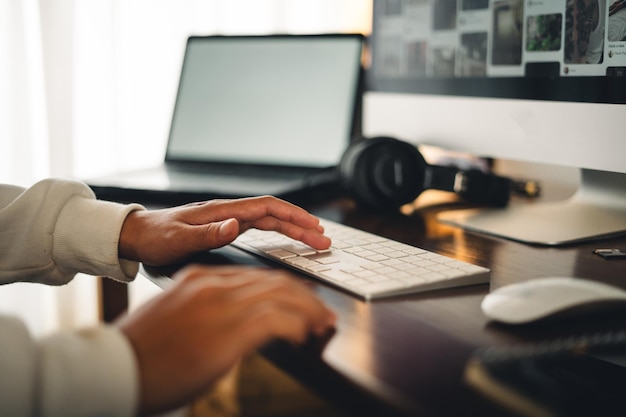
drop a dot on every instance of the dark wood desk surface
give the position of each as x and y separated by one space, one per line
407 355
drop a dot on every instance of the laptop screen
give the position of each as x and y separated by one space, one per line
276 100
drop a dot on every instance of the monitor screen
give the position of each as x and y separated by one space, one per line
531 80
545 50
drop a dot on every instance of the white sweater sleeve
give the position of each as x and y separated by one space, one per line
48 233
55 229
86 373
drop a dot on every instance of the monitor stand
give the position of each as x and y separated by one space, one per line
597 210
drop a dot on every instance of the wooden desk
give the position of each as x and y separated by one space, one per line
406 356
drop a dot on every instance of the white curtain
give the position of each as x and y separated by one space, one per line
87 87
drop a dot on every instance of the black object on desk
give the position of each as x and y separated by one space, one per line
577 376
611 254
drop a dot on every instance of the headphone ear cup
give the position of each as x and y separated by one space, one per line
382 172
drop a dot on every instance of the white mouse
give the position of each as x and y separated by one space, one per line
543 297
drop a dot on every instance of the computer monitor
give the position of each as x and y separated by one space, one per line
528 80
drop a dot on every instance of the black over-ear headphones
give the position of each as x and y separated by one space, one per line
385 173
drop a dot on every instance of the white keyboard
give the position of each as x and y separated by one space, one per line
365 264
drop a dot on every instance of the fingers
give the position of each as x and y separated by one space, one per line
266 213
253 293
266 322
312 237
279 292
253 208
213 235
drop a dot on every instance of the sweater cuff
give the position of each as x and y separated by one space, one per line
93 370
86 237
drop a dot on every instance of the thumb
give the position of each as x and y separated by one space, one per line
218 234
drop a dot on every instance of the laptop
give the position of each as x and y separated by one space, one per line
254 115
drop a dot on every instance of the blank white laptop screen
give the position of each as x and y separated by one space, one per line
266 100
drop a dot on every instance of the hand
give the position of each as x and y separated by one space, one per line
190 335
167 236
